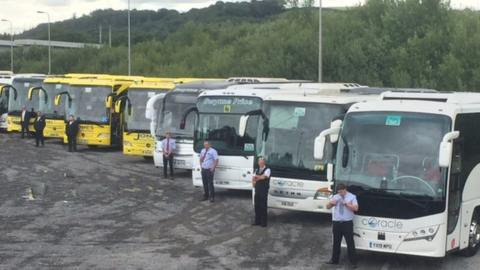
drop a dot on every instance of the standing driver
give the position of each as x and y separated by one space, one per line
261 183
25 122
344 206
168 147
208 161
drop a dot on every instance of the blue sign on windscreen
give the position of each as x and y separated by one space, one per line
393 120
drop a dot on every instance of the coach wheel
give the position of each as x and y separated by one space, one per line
473 236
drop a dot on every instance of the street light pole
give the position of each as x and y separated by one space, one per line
129 44
49 43
320 66
11 43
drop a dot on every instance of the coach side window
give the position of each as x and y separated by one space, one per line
466 155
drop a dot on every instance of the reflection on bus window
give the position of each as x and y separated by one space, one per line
292 132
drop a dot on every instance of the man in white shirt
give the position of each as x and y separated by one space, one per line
344 206
168 148
261 184
208 161
25 121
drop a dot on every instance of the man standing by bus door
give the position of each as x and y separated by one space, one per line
208 162
261 184
25 121
72 131
168 147
39 126
344 206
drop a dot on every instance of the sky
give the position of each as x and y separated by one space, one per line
23 14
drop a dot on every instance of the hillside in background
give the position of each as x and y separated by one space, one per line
397 43
150 25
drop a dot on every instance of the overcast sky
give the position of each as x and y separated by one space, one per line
24 16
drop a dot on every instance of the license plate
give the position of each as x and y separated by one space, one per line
380 245
289 204
179 162
222 183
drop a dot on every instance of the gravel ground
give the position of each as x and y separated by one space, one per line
98 209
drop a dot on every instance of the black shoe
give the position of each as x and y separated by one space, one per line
255 224
332 262
203 199
354 266
212 200
172 178
264 225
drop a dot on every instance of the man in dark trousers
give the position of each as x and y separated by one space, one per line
261 184
25 121
72 131
208 162
344 206
168 147
39 125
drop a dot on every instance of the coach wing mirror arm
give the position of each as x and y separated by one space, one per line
243 123
58 99
446 149
120 105
152 113
10 87
37 88
183 123
109 101
2 87
321 140
150 108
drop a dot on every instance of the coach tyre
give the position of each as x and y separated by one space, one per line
473 235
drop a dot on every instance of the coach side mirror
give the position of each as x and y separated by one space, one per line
118 106
154 106
335 124
183 122
445 154
321 140
30 93
129 109
446 149
242 126
108 102
329 172
319 147
58 100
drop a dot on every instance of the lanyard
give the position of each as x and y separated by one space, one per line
205 154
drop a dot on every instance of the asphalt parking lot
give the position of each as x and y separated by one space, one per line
98 209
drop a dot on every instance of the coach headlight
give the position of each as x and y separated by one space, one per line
322 194
427 233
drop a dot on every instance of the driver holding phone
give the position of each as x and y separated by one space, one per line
344 206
